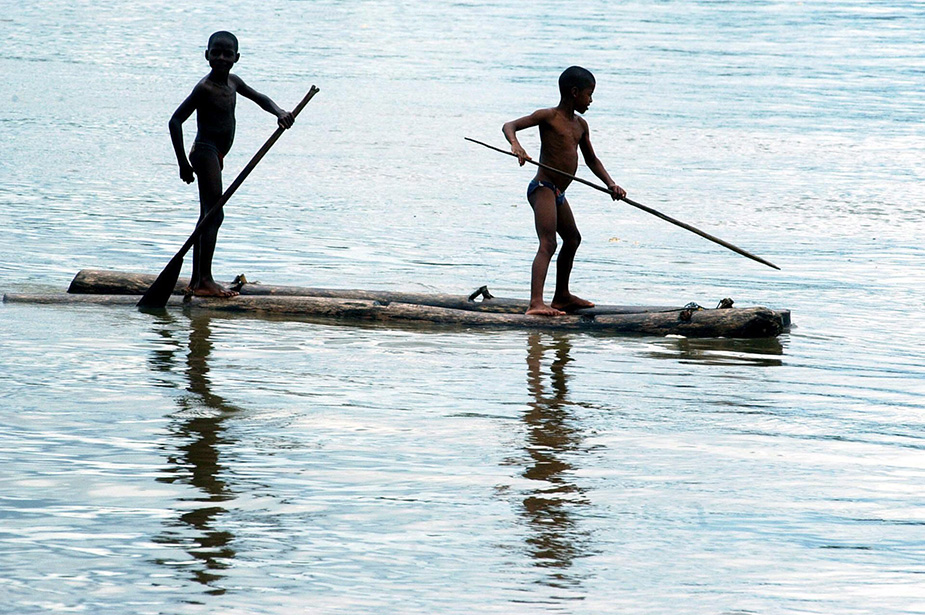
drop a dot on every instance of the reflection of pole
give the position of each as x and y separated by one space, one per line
549 507
199 462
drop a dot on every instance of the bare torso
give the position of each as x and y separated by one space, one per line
560 137
215 121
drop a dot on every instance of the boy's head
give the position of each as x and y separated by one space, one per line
575 77
222 51
224 35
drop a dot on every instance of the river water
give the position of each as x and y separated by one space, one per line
187 463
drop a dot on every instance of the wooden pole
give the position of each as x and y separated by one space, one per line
644 208
157 295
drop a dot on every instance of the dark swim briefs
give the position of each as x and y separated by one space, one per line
204 148
536 183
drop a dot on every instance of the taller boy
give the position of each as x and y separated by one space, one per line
213 100
562 133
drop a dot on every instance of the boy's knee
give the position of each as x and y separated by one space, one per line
548 245
215 219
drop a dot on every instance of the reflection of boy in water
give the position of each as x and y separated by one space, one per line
552 439
213 100
198 455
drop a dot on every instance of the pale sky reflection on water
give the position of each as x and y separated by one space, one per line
192 464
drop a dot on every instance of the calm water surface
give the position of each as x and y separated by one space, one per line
202 464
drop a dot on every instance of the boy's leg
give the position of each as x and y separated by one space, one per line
543 201
563 299
209 179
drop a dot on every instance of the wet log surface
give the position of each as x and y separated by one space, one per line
96 281
122 288
106 282
741 322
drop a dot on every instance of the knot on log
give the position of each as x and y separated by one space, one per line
724 304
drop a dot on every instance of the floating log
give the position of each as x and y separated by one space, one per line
69 299
734 322
108 282
123 288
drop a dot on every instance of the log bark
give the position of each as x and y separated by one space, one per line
107 282
81 299
745 322
104 282
734 322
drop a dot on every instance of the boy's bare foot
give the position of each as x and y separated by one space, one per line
543 310
571 304
211 289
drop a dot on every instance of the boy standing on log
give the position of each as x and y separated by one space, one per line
562 133
213 100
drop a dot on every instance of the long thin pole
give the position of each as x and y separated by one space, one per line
644 208
160 291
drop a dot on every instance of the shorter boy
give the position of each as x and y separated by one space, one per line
562 133
213 100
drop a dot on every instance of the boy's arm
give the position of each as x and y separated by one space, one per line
528 121
179 116
285 119
597 167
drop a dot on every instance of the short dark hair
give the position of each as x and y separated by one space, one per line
575 77
224 34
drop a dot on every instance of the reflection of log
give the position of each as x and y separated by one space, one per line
746 322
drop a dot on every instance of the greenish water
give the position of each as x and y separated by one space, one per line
194 464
